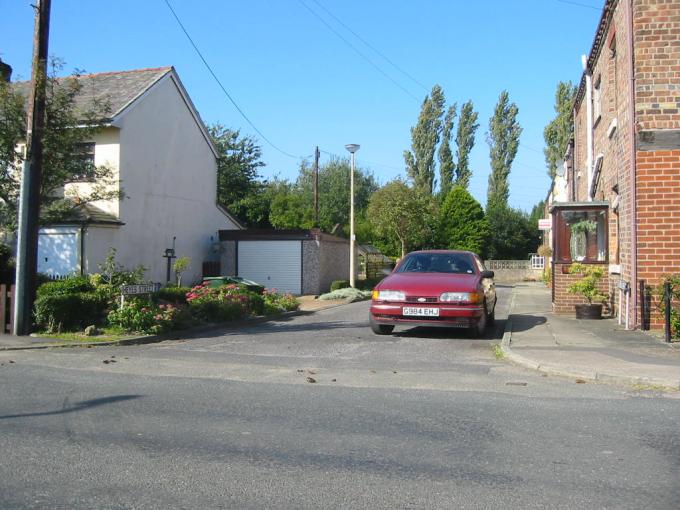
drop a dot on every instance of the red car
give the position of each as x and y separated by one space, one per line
443 288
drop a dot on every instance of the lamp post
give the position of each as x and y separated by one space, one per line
352 148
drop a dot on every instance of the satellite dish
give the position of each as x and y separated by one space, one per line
560 168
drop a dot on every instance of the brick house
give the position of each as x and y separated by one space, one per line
622 171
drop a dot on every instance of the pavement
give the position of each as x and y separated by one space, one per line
594 350
308 304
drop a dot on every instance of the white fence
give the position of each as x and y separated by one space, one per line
511 271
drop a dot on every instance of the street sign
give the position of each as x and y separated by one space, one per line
545 224
145 288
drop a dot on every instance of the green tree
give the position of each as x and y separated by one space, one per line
290 210
503 140
558 132
420 163
68 128
239 158
465 141
334 191
462 224
513 236
446 164
399 213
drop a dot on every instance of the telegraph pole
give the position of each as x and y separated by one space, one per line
316 186
31 177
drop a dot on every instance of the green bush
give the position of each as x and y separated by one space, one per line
68 312
276 302
368 283
70 285
339 284
172 294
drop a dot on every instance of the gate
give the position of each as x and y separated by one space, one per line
6 308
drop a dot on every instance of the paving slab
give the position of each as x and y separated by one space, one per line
599 350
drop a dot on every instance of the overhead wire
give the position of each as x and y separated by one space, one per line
226 93
579 4
357 51
369 45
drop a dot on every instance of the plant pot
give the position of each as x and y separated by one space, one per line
593 311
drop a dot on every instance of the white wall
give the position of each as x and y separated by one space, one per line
169 176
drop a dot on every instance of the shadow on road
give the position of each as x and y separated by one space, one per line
78 406
492 333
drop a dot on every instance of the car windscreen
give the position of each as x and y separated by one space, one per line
452 263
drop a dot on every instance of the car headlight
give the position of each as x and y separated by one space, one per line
461 297
388 295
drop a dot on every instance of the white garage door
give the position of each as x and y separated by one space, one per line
57 252
274 264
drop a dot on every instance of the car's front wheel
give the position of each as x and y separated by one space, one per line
479 329
381 329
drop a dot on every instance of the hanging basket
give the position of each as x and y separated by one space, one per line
589 312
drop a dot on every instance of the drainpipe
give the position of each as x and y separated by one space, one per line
633 163
589 123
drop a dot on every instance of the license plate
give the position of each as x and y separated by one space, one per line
420 312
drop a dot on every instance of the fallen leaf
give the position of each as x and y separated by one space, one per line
333 380
580 381
11 361
311 371
311 380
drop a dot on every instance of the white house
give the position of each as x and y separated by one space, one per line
163 159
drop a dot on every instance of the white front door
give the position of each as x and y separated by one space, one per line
58 251
274 264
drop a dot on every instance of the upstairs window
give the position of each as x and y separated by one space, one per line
597 100
82 162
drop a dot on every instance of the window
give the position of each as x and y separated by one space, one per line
82 161
456 263
597 100
582 235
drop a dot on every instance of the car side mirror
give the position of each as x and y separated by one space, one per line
487 274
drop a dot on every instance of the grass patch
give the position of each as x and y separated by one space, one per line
498 351
109 334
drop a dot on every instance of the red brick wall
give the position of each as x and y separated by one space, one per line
658 213
657 63
564 301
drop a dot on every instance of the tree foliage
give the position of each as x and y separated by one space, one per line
334 190
558 132
465 141
68 126
399 213
239 158
462 224
513 236
446 165
503 140
425 135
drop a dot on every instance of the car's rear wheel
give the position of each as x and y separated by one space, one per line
479 329
381 329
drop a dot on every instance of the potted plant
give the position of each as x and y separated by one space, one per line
587 287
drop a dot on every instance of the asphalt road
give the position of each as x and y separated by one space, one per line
423 418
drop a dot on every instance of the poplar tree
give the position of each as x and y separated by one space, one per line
503 140
558 132
446 164
425 135
465 140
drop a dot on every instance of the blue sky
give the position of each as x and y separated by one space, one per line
302 86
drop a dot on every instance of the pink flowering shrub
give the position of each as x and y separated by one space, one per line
143 317
224 303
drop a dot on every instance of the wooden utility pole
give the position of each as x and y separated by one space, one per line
31 177
316 186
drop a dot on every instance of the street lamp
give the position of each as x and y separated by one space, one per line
352 148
